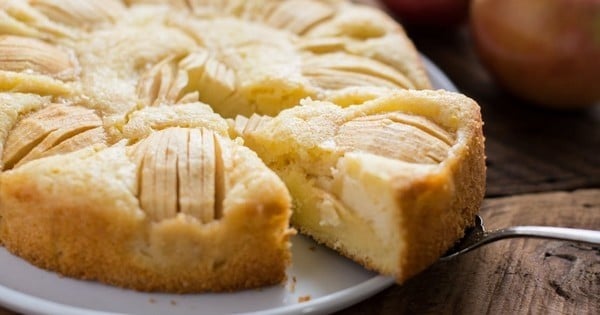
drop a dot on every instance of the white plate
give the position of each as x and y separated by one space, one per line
331 283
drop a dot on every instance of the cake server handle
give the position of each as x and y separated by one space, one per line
477 236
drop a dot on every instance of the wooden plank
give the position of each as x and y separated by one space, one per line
511 276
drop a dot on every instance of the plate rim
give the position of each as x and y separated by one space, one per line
21 302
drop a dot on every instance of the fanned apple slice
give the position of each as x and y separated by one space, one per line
20 54
12 107
332 79
398 136
164 84
30 65
181 170
80 13
298 15
48 131
348 65
20 18
368 32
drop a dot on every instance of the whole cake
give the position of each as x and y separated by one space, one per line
175 145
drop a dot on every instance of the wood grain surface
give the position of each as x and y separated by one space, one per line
517 276
543 169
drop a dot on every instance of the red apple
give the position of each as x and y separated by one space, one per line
436 13
546 51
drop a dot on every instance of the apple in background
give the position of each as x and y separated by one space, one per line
545 51
429 13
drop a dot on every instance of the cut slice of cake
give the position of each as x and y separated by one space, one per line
391 183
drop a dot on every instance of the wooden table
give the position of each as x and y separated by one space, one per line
543 169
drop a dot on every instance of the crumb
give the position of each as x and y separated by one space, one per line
173 302
313 248
292 286
151 300
304 298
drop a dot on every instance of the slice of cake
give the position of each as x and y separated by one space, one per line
391 183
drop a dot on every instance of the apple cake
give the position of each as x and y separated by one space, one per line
176 146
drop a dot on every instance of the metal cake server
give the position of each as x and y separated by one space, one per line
477 236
